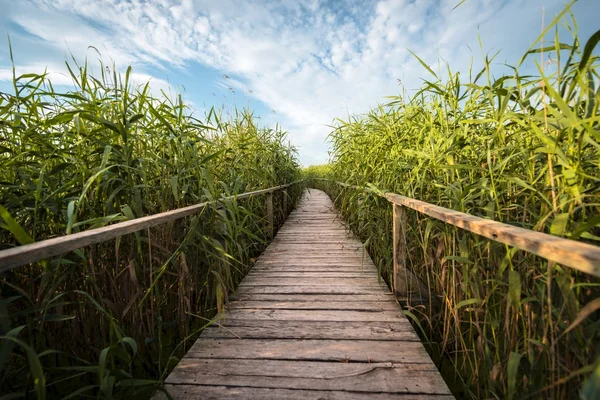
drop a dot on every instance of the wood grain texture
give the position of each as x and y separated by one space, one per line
312 319
257 329
311 350
373 306
358 377
197 392
331 298
316 289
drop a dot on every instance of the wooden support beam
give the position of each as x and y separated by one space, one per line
399 278
270 227
285 201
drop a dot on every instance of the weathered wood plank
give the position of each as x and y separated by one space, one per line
332 298
328 249
315 289
359 377
348 330
292 266
322 260
366 351
265 281
195 392
313 242
315 305
300 253
315 268
315 315
311 274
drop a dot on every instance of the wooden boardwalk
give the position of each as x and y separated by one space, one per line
310 321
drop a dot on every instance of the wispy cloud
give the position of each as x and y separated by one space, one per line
53 72
309 61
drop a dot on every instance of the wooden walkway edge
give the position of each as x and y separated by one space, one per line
310 320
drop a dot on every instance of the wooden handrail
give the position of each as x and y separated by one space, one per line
21 255
577 255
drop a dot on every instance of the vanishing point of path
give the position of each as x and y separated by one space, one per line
310 321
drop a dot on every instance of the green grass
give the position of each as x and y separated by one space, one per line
316 171
523 150
110 320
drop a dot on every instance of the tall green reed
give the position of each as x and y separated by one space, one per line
110 320
524 150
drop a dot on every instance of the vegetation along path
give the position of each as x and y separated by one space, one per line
311 320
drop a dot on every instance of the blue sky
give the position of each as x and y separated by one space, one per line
297 63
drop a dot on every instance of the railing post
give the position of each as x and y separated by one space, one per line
285 200
399 277
270 229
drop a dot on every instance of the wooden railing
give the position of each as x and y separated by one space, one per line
577 255
21 255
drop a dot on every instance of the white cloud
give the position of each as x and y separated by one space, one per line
308 61
56 73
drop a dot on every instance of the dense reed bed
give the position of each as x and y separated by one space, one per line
520 149
110 320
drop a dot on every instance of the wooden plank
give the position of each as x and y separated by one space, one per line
315 289
359 377
300 252
310 273
320 218
332 298
313 236
349 330
315 249
313 230
315 305
322 222
291 269
327 264
367 351
295 241
314 269
276 248
315 315
194 392
325 260
317 263
265 281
